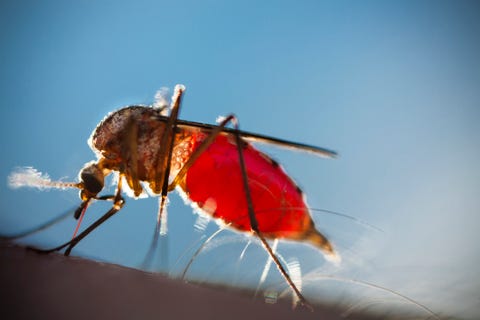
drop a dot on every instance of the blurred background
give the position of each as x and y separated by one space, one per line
394 87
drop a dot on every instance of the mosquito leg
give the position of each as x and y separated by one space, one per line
167 188
130 152
167 143
254 222
172 128
162 172
39 228
50 222
118 203
147 261
45 251
109 197
70 244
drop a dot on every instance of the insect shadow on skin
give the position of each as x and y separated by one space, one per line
155 152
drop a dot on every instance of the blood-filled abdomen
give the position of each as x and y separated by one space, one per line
214 182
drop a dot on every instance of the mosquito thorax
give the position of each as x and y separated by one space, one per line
92 179
130 141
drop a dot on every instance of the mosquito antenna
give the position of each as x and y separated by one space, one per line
31 177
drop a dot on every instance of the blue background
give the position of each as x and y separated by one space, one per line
393 87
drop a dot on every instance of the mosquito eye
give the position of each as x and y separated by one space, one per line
92 179
92 183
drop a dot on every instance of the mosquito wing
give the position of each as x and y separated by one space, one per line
254 137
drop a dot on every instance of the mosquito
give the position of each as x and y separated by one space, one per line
215 167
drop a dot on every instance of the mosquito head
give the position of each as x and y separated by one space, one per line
92 180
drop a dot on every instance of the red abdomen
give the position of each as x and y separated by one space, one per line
214 182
